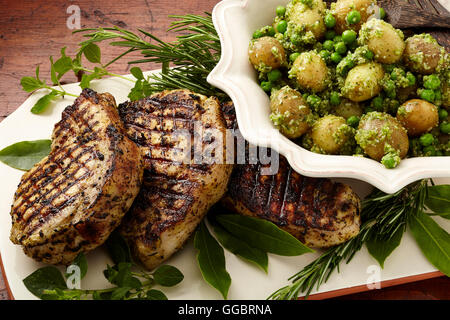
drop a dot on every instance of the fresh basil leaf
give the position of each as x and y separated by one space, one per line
30 84
167 276
438 200
380 249
44 102
23 155
81 262
46 278
92 53
239 247
432 240
262 234
155 295
211 260
137 73
120 293
118 248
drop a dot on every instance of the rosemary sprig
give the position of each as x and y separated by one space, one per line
382 215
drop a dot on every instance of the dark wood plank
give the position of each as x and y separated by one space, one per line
32 30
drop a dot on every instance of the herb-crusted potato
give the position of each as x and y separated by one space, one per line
330 134
423 54
348 108
308 17
383 40
342 8
363 82
266 53
418 116
289 112
379 132
311 71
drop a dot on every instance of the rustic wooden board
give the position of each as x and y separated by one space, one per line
31 31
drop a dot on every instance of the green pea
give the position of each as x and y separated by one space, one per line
328 45
330 34
336 57
368 55
274 75
389 161
429 151
325 54
428 95
266 86
443 114
427 139
411 78
330 21
257 34
445 127
282 26
280 11
353 17
313 100
340 47
353 121
431 82
377 103
294 56
349 36
271 31
337 38
296 39
389 86
335 99
437 95
382 13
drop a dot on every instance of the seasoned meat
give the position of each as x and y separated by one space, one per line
178 190
319 212
75 197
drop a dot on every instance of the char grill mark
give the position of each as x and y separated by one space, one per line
71 200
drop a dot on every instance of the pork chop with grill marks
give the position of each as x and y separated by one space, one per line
318 212
176 194
75 197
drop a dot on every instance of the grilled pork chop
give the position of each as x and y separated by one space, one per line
318 212
73 199
176 193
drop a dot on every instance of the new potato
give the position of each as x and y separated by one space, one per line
363 82
348 108
266 53
376 130
418 116
311 71
342 8
383 40
309 18
422 53
328 135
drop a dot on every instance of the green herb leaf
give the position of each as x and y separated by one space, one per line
168 276
53 72
81 262
44 102
92 52
23 155
118 248
262 234
239 247
30 84
63 64
86 80
137 73
211 260
155 295
136 92
432 240
438 200
121 276
120 293
46 278
381 248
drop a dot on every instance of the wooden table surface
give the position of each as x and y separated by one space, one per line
31 31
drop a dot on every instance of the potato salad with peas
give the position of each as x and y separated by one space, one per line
343 81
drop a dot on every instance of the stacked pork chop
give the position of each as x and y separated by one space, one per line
130 168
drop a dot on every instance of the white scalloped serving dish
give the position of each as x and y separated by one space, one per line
235 21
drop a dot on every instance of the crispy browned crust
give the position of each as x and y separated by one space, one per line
319 212
174 196
74 198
